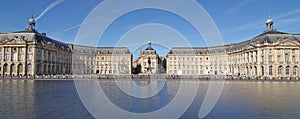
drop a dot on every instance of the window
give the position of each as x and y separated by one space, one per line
293 51
30 57
0 57
170 71
5 68
278 51
29 68
13 68
270 51
278 58
270 70
286 58
293 59
7 57
30 49
270 59
280 70
14 56
295 68
0 49
287 70
7 49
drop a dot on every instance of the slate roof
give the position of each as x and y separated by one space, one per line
271 36
34 37
100 50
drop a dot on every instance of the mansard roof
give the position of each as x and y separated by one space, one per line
32 36
198 50
100 50
268 37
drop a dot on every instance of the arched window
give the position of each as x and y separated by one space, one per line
13 68
287 70
29 68
280 70
20 68
295 70
270 70
5 68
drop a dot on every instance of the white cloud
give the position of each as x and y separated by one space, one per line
49 7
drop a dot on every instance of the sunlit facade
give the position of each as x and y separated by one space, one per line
271 54
101 60
149 62
29 52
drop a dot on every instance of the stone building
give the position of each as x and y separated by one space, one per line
197 61
271 54
149 62
29 52
101 60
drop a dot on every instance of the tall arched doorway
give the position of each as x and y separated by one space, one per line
20 69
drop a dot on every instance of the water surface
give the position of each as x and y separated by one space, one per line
239 99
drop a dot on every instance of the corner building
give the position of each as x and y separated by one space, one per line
271 54
29 52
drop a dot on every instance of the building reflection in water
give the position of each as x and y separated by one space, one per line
239 99
16 99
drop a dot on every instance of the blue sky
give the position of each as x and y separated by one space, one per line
237 20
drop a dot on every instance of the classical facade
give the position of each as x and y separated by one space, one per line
149 62
271 54
29 52
197 61
101 60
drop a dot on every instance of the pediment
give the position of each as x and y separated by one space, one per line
288 43
13 41
250 46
